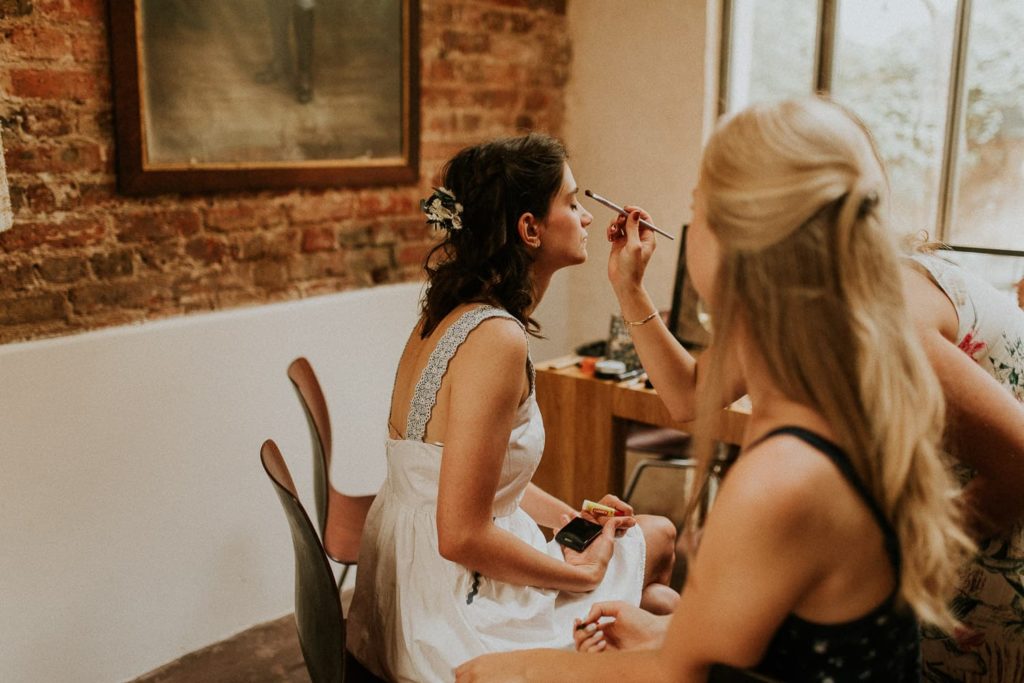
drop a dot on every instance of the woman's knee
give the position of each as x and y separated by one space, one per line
660 536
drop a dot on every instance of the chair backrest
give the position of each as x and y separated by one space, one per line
300 372
318 615
340 517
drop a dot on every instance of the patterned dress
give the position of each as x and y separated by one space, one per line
990 602
415 616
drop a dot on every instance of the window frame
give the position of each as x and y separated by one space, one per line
824 64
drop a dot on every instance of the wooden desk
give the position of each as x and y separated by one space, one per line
586 422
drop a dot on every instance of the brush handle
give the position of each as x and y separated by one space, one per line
622 212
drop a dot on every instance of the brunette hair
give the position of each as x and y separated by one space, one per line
496 182
795 194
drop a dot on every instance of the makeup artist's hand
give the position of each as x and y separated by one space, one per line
625 627
631 249
593 561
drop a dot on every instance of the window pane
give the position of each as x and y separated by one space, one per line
989 207
1002 272
771 54
892 64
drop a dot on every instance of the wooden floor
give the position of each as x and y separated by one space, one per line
267 653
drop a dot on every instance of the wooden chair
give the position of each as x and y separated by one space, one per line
340 517
318 614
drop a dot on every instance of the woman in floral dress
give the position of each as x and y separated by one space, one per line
974 337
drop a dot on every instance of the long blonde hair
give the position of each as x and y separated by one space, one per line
795 193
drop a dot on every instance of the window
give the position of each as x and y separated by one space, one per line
939 82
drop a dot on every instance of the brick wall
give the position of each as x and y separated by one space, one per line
80 256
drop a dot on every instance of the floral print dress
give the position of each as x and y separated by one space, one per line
990 601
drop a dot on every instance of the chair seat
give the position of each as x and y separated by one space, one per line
663 441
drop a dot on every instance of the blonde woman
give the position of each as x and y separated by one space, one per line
833 535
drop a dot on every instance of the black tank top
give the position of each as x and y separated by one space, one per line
882 645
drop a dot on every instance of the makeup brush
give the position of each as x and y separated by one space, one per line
622 212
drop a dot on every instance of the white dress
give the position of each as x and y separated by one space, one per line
415 616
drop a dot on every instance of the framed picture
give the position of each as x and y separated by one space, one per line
687 319
251 94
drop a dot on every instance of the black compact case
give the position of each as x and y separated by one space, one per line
578 534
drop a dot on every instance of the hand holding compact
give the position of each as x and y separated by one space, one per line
593 559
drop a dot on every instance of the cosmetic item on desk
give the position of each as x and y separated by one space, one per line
622 212
616 370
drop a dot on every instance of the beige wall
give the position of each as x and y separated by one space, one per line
634 121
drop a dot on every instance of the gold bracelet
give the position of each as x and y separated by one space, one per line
638 323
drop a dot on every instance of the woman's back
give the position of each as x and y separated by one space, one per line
492 332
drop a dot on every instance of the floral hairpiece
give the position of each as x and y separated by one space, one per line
442 211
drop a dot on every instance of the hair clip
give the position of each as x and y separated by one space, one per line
442 211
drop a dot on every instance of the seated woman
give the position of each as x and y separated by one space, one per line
832 535
452 563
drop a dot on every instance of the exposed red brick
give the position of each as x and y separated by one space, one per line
139 293
62 157
63 270
71 233
413 254
55 84
438 70
161 256
16 277
15 8
90 46
327 207
371 265
44 120
471 43
318 239
37 198
32 309
114 264
239 216
72 10
249 248
328 264
87 10
34 42
270 274
90 194
206 249
157 227
487 67
282 243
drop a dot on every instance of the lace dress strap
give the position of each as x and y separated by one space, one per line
425 394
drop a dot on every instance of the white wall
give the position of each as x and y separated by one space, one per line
136 523
635 122
135 519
